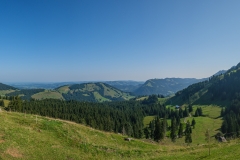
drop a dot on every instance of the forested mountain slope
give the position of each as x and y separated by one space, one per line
165 86
6 87
221 89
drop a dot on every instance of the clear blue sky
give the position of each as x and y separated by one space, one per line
76 40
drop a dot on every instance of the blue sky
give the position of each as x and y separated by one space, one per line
77 40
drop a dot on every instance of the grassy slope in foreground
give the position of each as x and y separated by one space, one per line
22 138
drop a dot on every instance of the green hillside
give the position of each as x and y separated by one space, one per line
219 90
126 86
210 120
48 94
94 92
6 89
165 86
25 94
30 137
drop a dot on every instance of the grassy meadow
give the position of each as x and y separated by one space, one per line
48 94
24 136
210 121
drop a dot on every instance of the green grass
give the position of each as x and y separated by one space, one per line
212 111
22 138
4 92
142 98
100 98
162 100
63 89
48 94
147 120
6 102
209 121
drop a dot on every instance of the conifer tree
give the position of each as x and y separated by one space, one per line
188 137
180 130
190 108
193 122
180 112
151 126
165 126
146 133
196 113
157 130
222 112
173 129
186 112
178 120
162 132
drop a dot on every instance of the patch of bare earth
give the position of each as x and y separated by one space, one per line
14 152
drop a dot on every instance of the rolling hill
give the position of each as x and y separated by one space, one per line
165 86
5 89
125 86
94 92
25 94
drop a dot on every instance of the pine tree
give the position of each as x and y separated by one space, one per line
164 127
190 108
180 131
222 112
188 137
181 112
173 129
196 113
200 111
193 123
186 112
157 130
123 131
151 126
178 120
162 132
237 130
146 133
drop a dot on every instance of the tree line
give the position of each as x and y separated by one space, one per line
157 129
231 119
119 117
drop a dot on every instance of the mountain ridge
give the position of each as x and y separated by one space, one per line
219 89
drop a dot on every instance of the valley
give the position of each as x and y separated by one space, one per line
119 80
91 120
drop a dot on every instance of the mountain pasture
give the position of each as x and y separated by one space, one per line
48 94
34 137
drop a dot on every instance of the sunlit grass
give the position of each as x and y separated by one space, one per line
30 137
